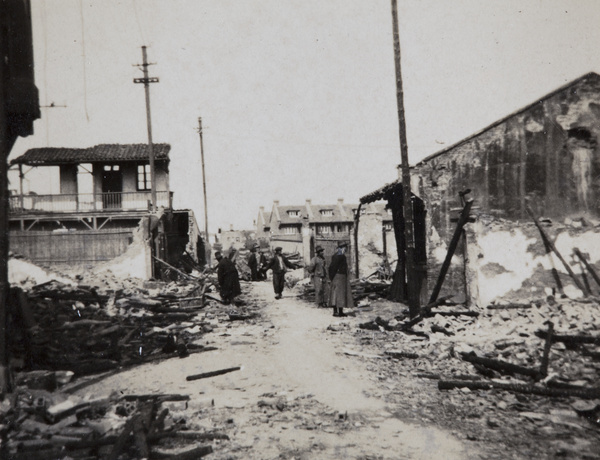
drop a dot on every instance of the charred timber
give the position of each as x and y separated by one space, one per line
587 265
205 375
583 393
501 366
570 339
550 244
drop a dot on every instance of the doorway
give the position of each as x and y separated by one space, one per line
112 187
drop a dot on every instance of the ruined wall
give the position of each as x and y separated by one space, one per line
546 155
370 243
507 260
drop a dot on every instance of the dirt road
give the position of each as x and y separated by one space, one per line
300 393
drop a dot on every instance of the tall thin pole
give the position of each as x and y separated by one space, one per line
203 179
146 81
5 146
411 279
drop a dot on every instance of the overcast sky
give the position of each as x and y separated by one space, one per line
297 97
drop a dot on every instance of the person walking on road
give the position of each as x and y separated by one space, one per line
279 264
256 261
228 278
318 269
341 294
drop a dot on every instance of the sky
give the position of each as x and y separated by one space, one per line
297 97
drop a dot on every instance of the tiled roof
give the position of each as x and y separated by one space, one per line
317 216
287 219
98 154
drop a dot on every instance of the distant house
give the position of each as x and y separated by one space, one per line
263 221
105 193
298 228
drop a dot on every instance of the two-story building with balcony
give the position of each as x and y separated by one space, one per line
104 201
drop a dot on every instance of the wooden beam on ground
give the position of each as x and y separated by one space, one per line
212 373
501 366
583 393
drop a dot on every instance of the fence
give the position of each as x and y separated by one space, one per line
72 247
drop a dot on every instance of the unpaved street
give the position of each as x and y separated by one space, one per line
301 393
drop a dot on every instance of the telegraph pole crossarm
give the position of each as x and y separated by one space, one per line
146 80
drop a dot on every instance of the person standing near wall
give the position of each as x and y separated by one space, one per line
279 264
228 277
256 261
318 269
341 293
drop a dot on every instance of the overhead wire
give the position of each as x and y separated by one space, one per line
85 95
45 67
139 24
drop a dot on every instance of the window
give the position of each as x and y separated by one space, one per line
327 212
324 229
294 213
143 178
290 230
388 226
111 167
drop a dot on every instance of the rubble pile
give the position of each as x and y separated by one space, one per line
67 337
59 425
85 331
496 366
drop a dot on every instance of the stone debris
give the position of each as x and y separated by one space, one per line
565 402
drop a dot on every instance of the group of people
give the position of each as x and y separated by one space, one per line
331 284
228 277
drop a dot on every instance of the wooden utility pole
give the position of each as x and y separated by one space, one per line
203 179
411 278
146 81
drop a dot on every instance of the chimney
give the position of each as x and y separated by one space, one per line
275 202
231 227
309 209
341 208
262 209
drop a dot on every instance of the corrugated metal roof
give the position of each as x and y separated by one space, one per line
98 154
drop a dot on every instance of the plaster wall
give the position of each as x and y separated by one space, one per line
370 243
545 156
507 260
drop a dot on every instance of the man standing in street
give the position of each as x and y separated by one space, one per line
318 269
341 293
227 275
279 264
256 261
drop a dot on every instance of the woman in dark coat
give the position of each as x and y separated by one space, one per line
227 275
340 296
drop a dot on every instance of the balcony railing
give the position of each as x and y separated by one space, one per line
87 202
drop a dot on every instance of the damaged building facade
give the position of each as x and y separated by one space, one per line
300 228
545 157
102 212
